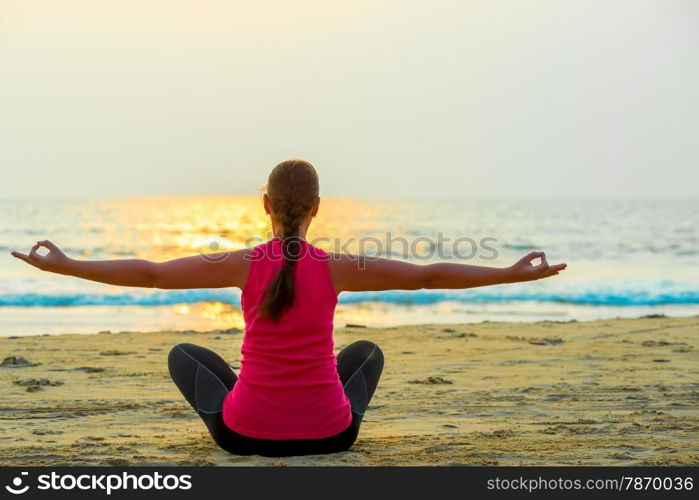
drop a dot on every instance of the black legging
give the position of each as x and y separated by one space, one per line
205 379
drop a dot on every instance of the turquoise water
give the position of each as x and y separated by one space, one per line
625 258
628 293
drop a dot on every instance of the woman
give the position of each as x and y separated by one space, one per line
292 396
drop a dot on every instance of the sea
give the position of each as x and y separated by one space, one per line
626 258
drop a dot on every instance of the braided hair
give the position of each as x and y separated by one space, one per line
292 189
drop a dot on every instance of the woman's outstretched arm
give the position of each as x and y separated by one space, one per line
353 274
225 270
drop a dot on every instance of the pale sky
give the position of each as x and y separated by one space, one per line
431 98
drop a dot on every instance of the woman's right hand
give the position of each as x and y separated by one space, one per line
55 261
524 270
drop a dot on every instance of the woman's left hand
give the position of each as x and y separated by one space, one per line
55 261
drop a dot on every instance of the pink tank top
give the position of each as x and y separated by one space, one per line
288 386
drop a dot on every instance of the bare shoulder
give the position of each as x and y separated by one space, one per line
216 270
341 267
353 273
238 265
232 267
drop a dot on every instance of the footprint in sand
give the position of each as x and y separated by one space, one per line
453 335
546 341
683 349
16 362
117 462
437 449
33 384
431 381
90 369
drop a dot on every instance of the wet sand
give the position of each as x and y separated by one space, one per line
610 392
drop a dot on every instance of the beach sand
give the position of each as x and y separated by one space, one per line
610 392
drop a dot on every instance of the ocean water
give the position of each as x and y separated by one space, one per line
626 258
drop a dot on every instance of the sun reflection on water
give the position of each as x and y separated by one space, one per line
171 227
211 314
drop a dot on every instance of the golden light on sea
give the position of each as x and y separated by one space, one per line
212 315
181 309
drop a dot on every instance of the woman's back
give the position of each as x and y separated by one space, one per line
288 386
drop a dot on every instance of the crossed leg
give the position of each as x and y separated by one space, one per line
204 378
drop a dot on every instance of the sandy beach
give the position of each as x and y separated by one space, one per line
610 392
